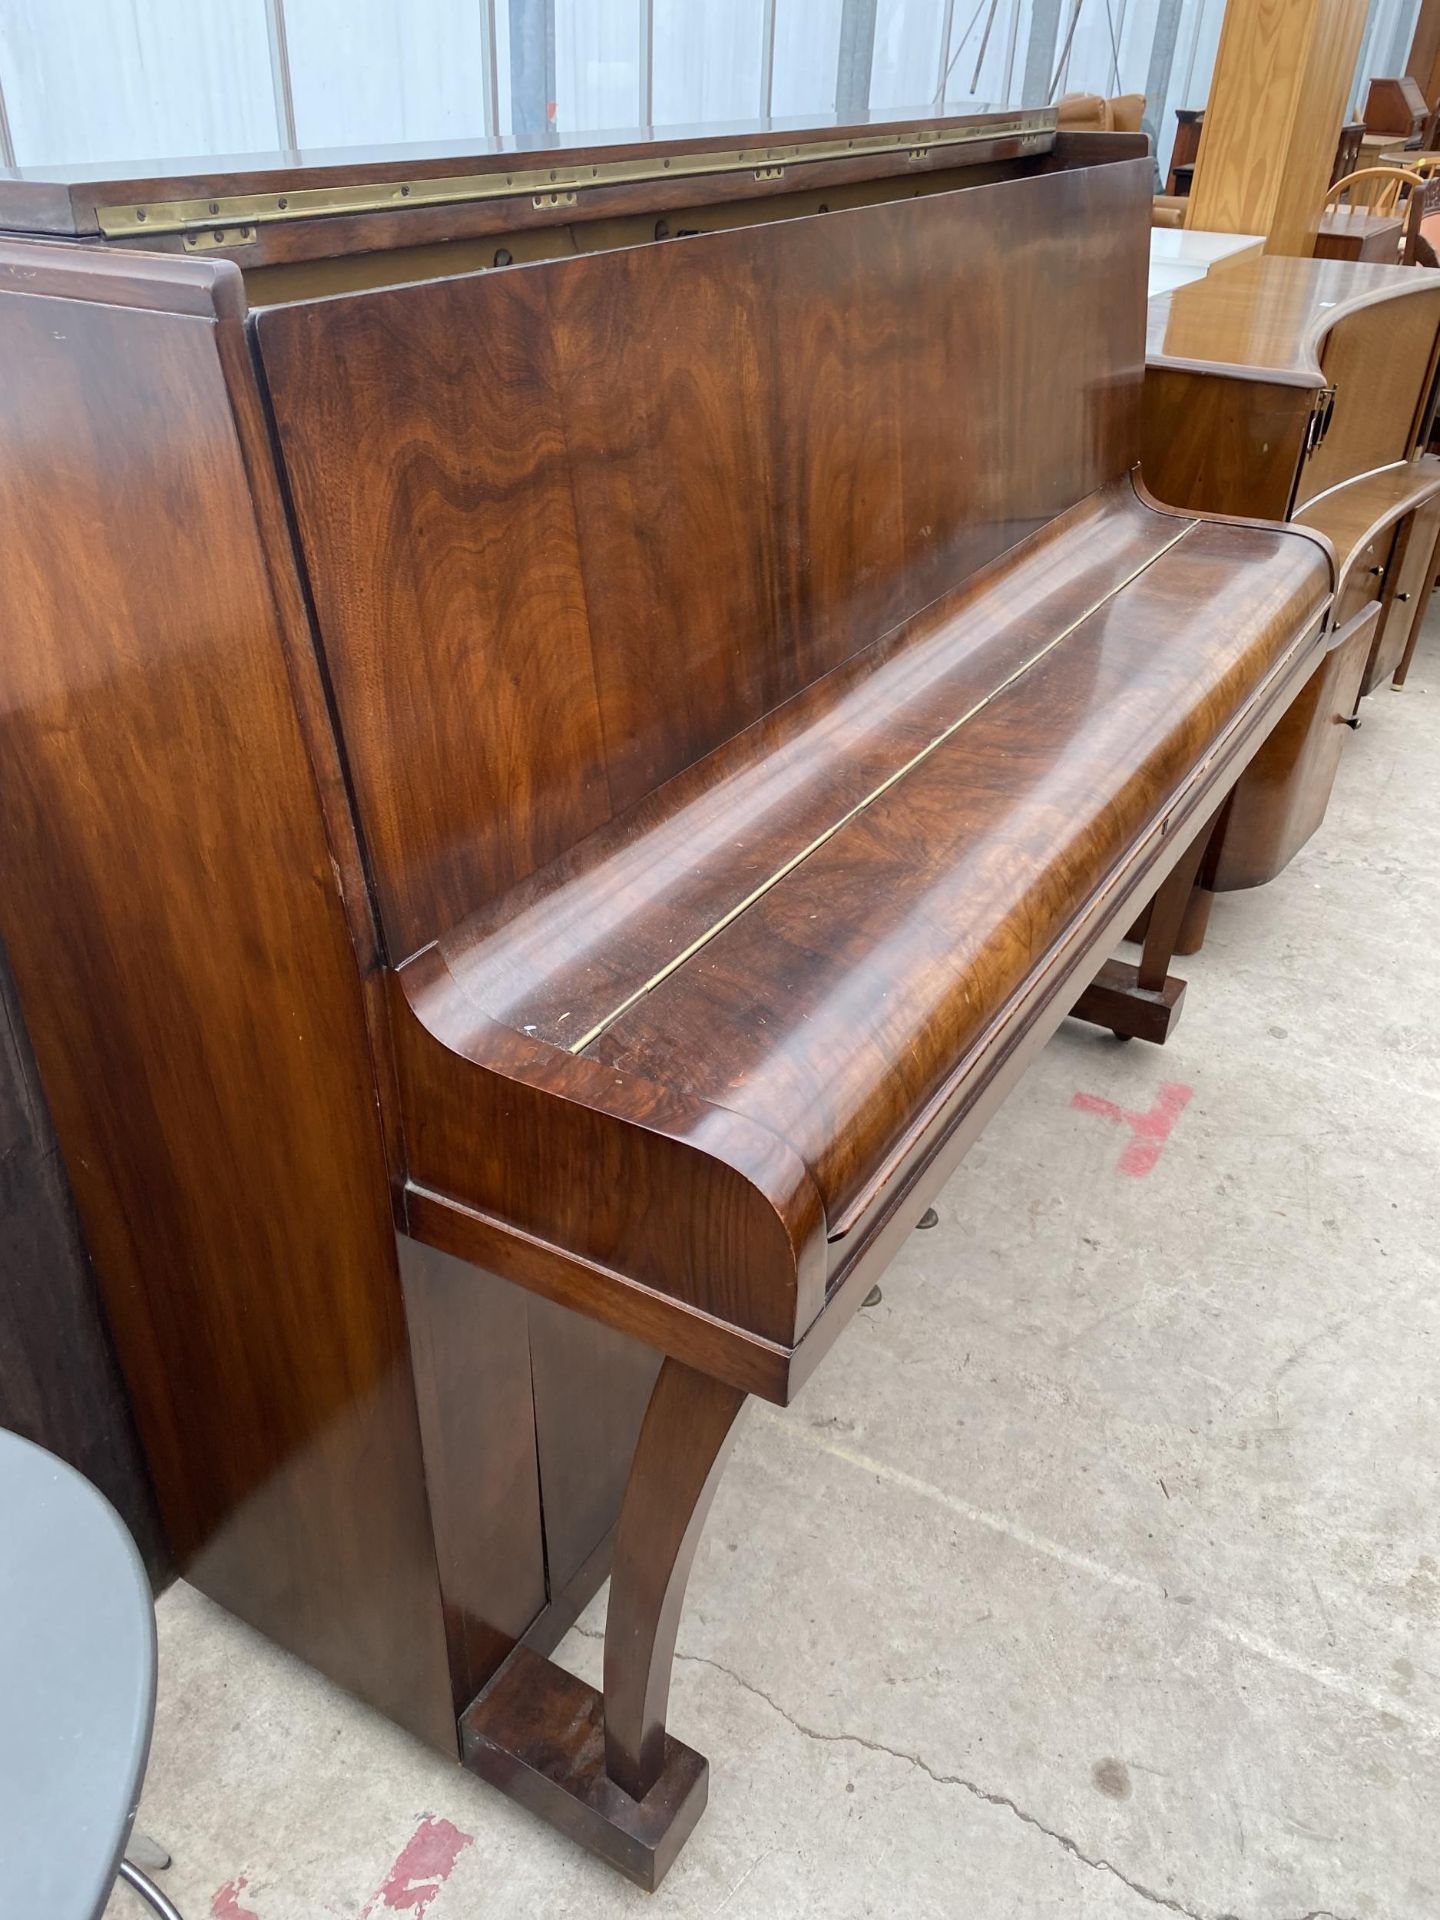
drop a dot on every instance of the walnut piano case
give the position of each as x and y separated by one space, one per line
614 764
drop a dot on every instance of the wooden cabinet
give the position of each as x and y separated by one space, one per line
1281 797
1409 572
1303 389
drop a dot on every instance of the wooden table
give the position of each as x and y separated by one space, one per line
1359 233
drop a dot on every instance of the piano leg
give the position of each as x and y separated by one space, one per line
1143 1002
602 1768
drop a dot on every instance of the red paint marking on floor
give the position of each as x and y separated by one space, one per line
226 1903
421 1869
1148 1131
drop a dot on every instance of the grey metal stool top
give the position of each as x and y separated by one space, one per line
77 1688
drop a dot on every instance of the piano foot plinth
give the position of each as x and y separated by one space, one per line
538 1734
1115 999
1143 1003
602 1768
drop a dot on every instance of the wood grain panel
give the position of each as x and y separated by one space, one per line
183 957
848 990
592 1385
1282 796
1277 100
1380 361
523 493
1209 437
1267 318
559 952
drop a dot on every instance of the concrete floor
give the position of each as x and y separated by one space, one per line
1097 1573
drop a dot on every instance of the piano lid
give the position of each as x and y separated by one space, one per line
129 200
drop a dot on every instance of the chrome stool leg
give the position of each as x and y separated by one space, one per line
142 1884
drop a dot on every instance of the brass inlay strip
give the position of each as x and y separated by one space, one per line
547 184
741 906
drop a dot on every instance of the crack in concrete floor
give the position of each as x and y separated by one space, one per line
972 1787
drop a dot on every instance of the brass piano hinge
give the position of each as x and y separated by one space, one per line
219 236
546 186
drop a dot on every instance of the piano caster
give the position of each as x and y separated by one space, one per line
601 1767
930 1218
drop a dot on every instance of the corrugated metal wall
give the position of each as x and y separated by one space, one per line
86 80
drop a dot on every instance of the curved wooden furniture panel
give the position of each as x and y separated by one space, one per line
1269 317
1383 528
1302 388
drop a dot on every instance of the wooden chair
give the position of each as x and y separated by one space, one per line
1348 150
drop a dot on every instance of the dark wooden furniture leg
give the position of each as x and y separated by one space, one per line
602 1768
1143 1002
681 1453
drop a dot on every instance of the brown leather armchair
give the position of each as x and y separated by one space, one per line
1092 113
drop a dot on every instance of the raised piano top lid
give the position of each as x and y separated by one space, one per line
1268 317
132 200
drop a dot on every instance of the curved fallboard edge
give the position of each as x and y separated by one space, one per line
1347 517
1315 535
1301 368
709 1207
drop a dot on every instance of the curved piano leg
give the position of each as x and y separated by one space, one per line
689 1426
601 1767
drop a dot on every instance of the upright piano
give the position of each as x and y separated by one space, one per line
570 722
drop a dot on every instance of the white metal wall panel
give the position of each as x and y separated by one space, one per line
707 60
597 64
88 80
906 71
366 72
807 46
983 34
94 80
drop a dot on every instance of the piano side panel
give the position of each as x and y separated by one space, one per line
529 498
173 916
